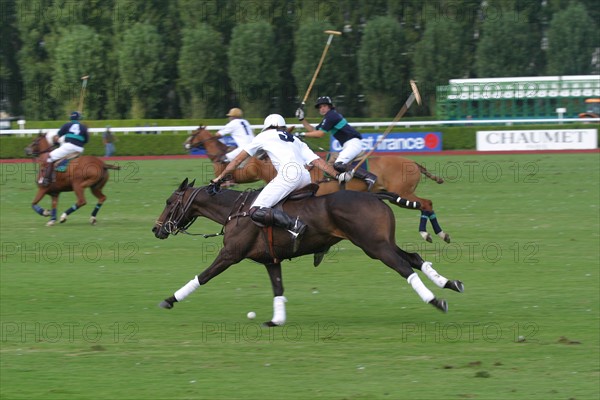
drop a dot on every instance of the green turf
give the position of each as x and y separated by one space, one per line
79 318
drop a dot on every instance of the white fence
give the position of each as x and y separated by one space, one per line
361 125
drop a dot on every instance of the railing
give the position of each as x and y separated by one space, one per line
362 125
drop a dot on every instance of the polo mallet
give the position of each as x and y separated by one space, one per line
314 78
82 93
411 99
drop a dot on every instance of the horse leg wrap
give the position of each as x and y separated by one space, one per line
425 294
434 222
71 209
433 275
186 290
96 209
279 316
423 222
38 209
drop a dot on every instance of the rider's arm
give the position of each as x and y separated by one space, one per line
64 129
233 165
322 165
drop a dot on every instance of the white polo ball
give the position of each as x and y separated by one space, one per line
251 315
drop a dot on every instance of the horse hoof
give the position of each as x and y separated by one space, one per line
318 257
444 236
165 304
457 286
270 324
45 213
426 236
63 218
93 220
440 304
51 222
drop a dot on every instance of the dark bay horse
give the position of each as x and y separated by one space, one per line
394 174
81 173
330 219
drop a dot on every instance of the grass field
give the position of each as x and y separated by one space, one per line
79 315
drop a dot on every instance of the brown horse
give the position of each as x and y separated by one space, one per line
252 170
330 219
394 174
82 172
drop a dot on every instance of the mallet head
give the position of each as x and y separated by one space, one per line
338 33
415 90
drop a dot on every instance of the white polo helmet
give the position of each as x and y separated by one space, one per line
274 121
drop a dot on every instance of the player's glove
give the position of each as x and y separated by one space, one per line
300 114
214 187
345 177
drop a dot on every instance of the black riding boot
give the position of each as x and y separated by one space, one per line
367 176
47 178
273 217
360 173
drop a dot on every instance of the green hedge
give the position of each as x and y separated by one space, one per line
169 143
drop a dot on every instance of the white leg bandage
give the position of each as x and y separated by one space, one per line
432 274
187 289
279 310
420 288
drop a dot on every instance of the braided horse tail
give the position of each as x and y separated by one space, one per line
428 174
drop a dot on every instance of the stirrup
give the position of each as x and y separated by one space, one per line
45 182
370 182
298 230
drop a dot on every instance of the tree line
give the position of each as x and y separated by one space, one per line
198 58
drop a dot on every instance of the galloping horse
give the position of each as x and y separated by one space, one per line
394 174
330 219
81 173
251 171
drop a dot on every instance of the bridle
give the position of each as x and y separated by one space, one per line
200 143
178 212
180 209
36 144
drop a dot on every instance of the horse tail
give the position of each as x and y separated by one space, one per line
103 178
428 174
111 166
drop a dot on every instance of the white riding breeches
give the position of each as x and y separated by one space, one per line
290 177
350 150
233 153
64 150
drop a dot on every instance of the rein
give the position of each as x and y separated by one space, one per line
36 154
200 143
180 210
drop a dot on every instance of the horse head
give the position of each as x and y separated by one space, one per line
197 138
203 139
175 217
42 143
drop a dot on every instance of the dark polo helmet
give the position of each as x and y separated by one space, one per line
324 100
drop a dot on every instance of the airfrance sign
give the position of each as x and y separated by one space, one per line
551 139
398 142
